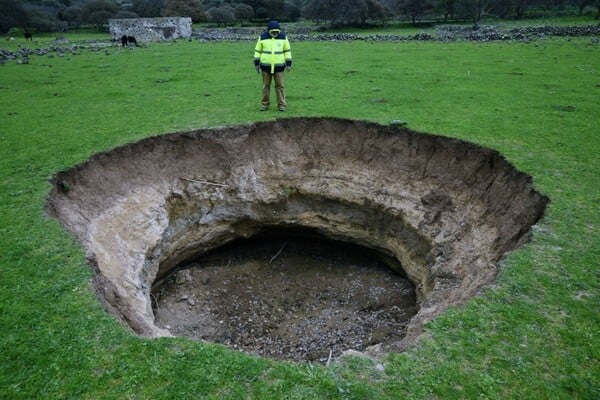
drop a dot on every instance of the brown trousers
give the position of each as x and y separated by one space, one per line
279 89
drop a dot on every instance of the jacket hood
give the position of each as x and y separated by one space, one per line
273 25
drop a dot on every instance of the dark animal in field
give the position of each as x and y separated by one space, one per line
28 35
128 40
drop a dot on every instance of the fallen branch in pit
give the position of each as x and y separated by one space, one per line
278 253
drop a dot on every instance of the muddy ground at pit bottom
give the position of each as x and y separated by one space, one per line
291 297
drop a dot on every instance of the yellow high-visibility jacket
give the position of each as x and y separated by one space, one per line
273 54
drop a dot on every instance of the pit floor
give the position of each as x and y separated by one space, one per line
287 296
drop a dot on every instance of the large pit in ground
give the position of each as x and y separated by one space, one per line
384 228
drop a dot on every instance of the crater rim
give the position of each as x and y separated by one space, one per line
446 210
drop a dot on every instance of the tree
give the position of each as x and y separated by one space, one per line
243 12
44 21
377 10
501 8
147 8
390 4
275 9
344 12
221 15
336 12
261 13
255 4
473 9
13 15
124 14
319 10
291 11
351 12
98 12
43 15
415 9
582 4
184 8
520 7
447 8
73 15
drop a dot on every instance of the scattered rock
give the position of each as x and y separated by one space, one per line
312 301
444 33
183 276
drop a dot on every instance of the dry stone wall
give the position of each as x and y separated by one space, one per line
152 29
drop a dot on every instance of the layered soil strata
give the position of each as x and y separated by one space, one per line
439 210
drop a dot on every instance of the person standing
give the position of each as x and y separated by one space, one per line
273 56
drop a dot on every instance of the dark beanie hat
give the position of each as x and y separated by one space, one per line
273 25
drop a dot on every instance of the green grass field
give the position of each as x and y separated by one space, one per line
534 335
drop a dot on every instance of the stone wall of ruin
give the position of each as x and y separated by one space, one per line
152 29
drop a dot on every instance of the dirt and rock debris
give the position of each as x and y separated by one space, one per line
287 295
156 217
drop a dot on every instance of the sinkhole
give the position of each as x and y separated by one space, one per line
297 238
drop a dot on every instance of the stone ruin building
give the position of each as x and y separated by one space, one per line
151 29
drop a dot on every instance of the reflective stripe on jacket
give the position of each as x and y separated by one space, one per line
273 54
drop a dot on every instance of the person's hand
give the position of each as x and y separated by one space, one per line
288 68
258 69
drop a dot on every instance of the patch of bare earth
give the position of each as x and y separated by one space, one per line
287 294
297 238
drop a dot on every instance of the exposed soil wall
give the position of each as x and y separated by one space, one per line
444 210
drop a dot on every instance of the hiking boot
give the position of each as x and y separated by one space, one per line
264 108
281 108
